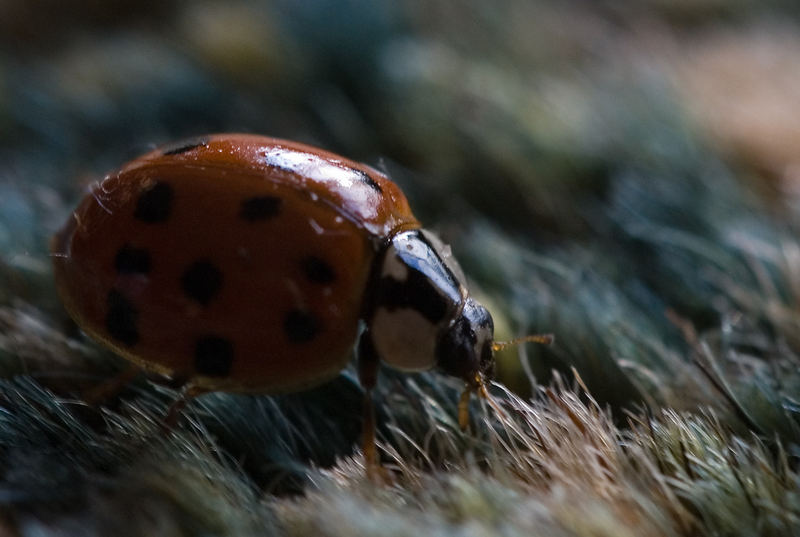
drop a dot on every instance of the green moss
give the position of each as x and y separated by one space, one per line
553 146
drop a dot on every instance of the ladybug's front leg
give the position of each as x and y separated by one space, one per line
368 362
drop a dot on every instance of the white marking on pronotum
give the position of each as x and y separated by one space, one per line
404 339
395 268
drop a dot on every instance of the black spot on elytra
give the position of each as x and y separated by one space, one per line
259 208
368 180
201 281
300 326
213 356
183 146
130 260
318 270
121 319
155 203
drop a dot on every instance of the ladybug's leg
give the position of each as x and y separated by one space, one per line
368 374
463 408
111 387
188 392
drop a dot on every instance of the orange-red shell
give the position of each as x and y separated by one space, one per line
237 261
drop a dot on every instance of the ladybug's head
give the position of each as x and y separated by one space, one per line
464 348
419 315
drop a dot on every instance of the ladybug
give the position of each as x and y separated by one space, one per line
243 263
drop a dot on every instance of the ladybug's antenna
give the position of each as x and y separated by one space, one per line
478 385
544 339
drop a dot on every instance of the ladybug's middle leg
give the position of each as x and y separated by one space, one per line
368 362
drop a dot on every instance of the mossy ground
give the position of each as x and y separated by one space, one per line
622 175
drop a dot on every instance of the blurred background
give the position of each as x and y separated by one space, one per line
625 175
